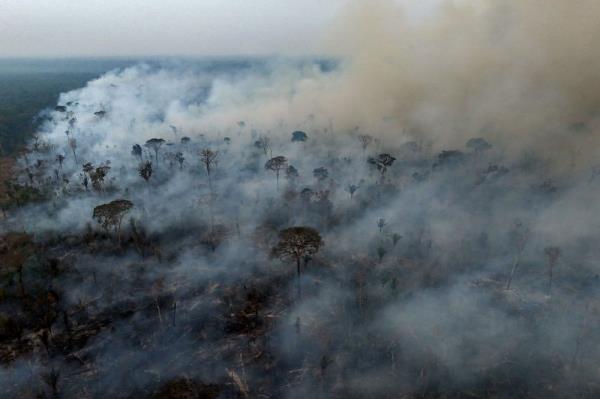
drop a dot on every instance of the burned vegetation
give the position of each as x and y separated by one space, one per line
239 263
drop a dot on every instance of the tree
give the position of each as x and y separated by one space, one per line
185 140
276 165
208 158
552 256
321 173
351 189
291 173
478 144
111 215
299 136
145 170
381 223
155 145
60 159
365 140
73 145
382 162
296 243
97 176
264 143
180 158
136 151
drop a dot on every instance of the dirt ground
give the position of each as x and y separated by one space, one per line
6 164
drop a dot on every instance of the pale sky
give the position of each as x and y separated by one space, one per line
163 27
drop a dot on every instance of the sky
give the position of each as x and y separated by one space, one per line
163 27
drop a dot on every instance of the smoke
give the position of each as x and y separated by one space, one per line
522 73
434 276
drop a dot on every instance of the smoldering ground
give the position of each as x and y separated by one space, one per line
459 267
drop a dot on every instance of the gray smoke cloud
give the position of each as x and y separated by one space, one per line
411 294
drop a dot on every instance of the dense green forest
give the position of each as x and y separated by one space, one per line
28 86
22 96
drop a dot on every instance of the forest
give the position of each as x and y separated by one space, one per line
233 260
414 216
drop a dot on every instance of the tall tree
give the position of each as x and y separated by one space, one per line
136 151
73 145
364 141
208 158
155 145
296 243
382 162
276 164
111 215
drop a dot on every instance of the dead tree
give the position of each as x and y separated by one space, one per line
73 145
208 158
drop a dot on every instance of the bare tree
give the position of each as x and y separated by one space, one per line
111 215
208 158
276 165
155 145
73 145
296 243
264 143
365 140
60 158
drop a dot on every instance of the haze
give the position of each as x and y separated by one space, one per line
156 27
